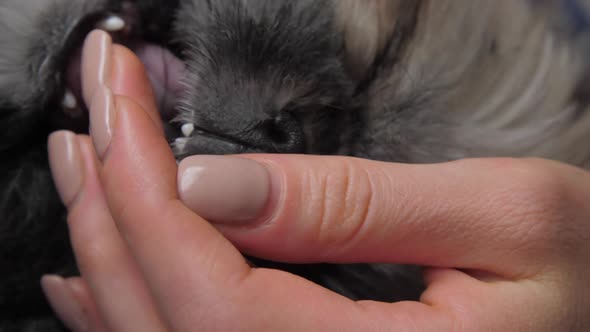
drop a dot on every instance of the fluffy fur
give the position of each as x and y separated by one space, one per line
394 80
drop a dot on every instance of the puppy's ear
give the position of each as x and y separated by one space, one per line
369 27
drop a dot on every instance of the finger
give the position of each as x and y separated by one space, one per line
73 303
129 79
336 209
153 246
120 69
65 304
101 254
84 297
156 226
524 305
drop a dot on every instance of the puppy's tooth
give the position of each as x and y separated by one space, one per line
180 143
69 101
187 129
112 23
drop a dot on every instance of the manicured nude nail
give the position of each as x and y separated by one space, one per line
64 302
102 119
96 63
225 190
65 160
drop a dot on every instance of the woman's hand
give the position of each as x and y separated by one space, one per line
508 240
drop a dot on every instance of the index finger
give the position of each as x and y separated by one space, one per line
125 75
135 86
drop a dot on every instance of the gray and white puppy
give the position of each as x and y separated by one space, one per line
413 81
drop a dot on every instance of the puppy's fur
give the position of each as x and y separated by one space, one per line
394 80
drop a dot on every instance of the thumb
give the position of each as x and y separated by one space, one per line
345 210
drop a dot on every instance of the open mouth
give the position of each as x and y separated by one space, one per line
164 69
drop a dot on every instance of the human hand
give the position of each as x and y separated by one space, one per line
508 239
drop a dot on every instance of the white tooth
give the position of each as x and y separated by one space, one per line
180 143
112 23
187 129
69 101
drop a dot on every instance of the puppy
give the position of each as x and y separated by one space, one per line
412 81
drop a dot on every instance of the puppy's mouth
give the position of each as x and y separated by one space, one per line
165 70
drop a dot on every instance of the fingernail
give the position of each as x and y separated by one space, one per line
96 63
226 190
102 119
65 161
64 303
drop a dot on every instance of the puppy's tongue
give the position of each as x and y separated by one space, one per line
165 72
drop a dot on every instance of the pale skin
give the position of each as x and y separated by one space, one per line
509 239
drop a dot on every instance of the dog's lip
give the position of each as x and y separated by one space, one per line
210 143
203 133
202 140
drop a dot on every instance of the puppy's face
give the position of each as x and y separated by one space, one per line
282 76
262 76
420 78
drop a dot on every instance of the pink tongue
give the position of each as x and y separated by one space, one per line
165 72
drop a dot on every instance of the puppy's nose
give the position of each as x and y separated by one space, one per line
281 134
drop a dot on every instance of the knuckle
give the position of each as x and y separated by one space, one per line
346 195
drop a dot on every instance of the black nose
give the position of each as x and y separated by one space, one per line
281 134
